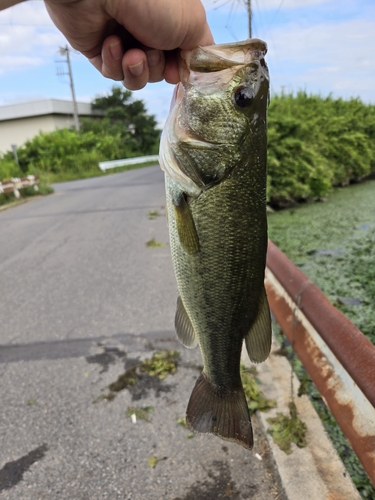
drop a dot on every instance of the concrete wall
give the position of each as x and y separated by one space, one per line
20 130
23 121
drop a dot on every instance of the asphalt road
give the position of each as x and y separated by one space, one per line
82 300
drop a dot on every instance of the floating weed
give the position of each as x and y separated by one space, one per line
346 222
140 413
255 398
152 460
286 430
152 214
129 378
154 244
33 402
303 385
161 364
182 421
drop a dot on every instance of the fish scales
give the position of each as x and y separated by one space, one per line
214 154
221 286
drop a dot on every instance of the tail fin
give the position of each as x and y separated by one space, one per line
225 415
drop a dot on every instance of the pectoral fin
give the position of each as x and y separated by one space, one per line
186 230
184 329
258 340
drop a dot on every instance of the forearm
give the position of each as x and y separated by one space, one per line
4 4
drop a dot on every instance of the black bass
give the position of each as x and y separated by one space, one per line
213 153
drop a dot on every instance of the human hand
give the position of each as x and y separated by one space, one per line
132 40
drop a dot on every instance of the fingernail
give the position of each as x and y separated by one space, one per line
137 69
153 57
116 50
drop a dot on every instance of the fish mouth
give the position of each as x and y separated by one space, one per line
205 69
214 58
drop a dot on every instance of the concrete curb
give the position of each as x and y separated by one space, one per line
16 203
315 472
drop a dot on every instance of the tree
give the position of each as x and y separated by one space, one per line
127 118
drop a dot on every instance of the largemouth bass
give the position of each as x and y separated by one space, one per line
213 153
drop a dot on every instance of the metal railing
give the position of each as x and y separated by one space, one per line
105 165
17 183
337 356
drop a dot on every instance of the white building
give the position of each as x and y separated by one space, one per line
20 122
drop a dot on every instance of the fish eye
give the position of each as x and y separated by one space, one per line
243 97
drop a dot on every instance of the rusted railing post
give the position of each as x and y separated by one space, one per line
338 357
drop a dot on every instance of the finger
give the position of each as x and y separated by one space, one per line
97 62
135 68
171 73
112 54
156 65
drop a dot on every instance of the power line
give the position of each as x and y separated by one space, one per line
227 26
279 7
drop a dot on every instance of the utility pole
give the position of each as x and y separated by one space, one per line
248 2
64 51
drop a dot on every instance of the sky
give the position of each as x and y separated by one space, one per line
319 46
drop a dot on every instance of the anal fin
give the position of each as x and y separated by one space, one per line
224 414
184 329
259 338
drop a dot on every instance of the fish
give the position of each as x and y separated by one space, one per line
213 153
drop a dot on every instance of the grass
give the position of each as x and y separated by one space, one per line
154 243
10 199
64 176
334 245
152 214
161 364
343 448
142 413
152 460
288 429
182 422
255 398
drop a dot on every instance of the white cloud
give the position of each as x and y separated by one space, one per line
26 13
330 57
27 37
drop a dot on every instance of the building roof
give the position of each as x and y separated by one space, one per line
45 107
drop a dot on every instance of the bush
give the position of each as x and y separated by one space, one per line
314 143
9 169
125 130
66 150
